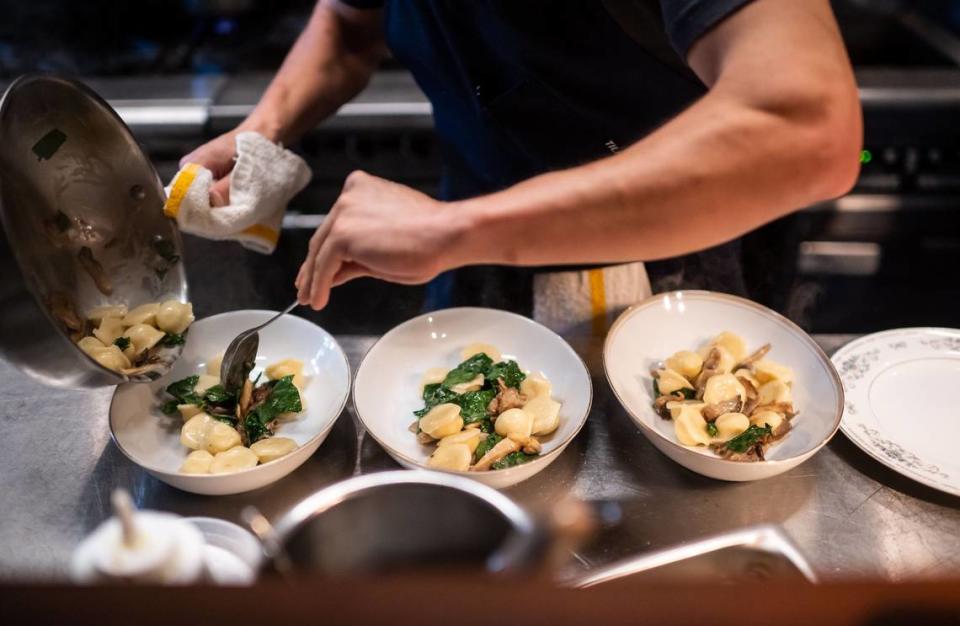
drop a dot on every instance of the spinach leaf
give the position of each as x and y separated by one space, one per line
485 446
473 405
486 426
169 407
513 459
468 370
748 438
509 371
229 420
712 429
656 388
283 398
184 390
122 342
171 339
166 250
218 395
433 395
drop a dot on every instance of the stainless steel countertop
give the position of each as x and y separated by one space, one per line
850 516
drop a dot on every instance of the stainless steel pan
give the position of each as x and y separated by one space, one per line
75 186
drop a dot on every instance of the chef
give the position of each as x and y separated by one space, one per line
579 139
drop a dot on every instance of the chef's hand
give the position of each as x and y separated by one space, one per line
218 156
377 228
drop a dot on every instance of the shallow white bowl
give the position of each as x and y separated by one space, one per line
654 329
386 389
152 440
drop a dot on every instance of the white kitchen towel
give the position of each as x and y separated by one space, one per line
587 302
264 179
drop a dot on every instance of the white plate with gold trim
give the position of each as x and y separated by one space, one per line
900 406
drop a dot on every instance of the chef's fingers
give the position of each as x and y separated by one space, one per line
220 192
305 275
325 267
349 271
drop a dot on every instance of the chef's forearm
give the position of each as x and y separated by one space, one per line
329 64
780 129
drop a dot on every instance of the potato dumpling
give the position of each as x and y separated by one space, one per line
729 425
142 337
669 382
470 437
221 436
745 374
455 457
174 316
690 427
765 371
213 366
686 363
188 410
233 460
774 391
202 432
272 448
477 348
473 384
516 422
109 330
546 414
733 344
287 367
194 432
197 462
767 418
723 387
88 344
205 381
111 358
143 314
99 313
442 420
433 376
534 386
676 407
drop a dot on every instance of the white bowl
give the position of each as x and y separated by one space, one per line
654 329
152 440
386 389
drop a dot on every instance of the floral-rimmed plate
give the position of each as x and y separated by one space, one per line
900 407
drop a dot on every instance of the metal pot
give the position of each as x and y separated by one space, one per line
74 185
402 520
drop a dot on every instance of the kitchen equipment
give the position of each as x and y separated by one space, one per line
654 329
146 547
900 408
387 387
152 440
80 205
744 556
395 520
241 354
231 555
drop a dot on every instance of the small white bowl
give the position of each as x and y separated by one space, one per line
152 440
652 330
386 388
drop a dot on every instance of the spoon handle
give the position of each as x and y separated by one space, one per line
275 317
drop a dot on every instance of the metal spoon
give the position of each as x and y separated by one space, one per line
241 354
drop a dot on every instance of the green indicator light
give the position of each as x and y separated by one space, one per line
866 156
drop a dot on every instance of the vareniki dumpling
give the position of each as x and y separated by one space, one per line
174 316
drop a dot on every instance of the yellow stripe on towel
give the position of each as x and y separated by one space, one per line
178 190
598 301
263 232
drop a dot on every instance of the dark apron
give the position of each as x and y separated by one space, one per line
544 86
